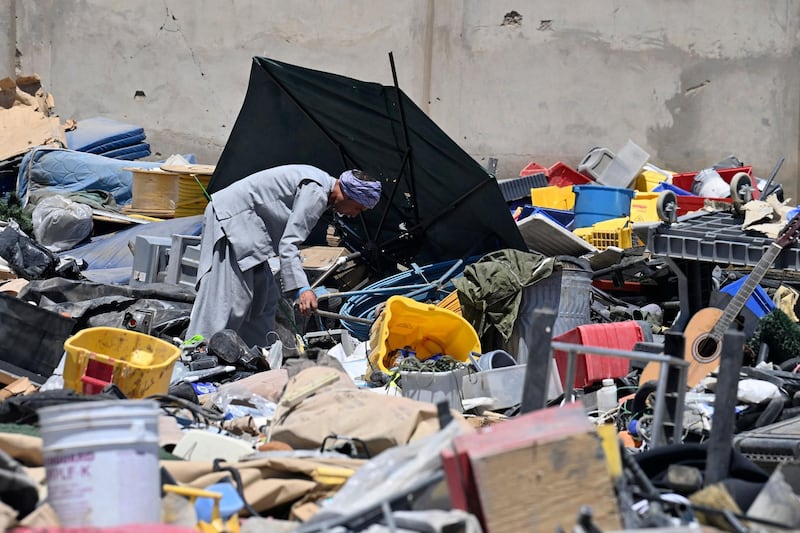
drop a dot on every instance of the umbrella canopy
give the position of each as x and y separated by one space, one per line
437 203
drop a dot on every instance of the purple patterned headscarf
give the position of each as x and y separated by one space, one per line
367 193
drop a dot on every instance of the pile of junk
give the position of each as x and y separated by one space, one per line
608 347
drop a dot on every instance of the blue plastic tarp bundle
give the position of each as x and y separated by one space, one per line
108 137
67 171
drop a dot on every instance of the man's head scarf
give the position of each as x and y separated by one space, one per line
366 193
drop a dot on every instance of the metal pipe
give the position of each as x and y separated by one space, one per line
411 182
536 384
569 379
636 356
336 264
768 184
348 318
378 290
723 421
660 407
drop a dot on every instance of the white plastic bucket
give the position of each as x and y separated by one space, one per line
101 462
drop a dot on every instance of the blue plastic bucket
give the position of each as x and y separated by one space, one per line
595 203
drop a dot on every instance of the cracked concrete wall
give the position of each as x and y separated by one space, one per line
8 38
690 82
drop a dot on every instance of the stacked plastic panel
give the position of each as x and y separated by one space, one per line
716 238
109 138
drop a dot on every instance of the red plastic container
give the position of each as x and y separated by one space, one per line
685 180
563 175
591 368
533 168
687 204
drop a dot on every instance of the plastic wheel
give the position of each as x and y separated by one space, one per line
741 188
667 206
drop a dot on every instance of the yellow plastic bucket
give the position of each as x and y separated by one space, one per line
422 328
139 364
643 207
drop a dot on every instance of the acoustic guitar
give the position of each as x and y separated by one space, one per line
704 332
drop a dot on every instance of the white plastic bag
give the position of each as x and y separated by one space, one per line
60 223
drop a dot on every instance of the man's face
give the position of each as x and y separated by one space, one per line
348 208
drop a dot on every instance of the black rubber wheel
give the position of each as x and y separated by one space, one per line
667 206
641 400
741 188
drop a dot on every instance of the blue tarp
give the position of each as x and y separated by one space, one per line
109 258
67 171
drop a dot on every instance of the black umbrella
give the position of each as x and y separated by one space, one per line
437 203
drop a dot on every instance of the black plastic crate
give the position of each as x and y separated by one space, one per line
518 188
32 337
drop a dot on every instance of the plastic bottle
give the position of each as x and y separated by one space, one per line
607 397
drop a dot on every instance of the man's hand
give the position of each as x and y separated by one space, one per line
307 302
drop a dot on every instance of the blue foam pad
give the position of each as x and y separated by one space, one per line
97 131
113 145
129 153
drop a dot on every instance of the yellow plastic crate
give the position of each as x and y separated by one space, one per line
614 232
553 197
584 233
140 365
643 207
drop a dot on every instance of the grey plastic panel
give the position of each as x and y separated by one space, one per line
716 238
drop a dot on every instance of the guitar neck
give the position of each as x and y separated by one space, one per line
739 300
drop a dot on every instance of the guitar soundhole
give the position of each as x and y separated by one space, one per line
706 349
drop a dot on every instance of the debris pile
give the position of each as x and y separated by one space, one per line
606 347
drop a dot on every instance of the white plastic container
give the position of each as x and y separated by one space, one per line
596 162
625 166
101 462
434 387
504 385
607 397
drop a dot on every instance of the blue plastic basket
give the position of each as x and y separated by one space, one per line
596 203
759 302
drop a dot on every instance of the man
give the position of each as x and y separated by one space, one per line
267 214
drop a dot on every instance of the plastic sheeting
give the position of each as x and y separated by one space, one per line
108 256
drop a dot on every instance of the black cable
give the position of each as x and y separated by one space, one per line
237 483
198 412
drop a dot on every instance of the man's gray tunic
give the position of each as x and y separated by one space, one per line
267 214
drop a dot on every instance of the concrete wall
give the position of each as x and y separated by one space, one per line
691 82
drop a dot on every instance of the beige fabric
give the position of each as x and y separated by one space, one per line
786 298
380 421
268 385
268 482
24 448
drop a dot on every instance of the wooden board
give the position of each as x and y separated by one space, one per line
321 257
157 213
533 472
542 487
201 170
